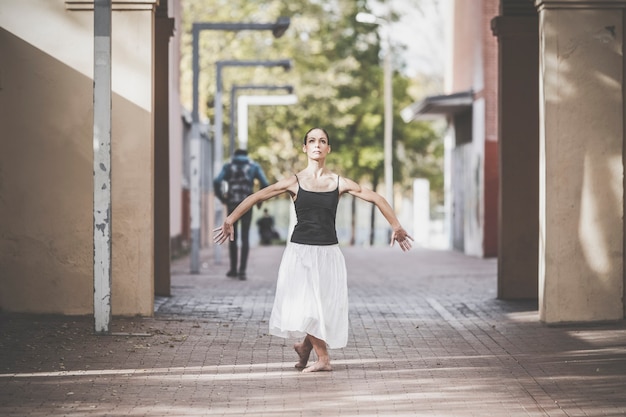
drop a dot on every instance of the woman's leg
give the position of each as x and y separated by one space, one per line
323 360
303 349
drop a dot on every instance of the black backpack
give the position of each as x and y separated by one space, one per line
239 184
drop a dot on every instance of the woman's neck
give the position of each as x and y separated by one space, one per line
316 168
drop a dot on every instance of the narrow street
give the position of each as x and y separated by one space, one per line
427 338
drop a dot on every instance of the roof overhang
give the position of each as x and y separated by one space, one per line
435 107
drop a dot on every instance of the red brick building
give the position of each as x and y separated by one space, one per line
470 107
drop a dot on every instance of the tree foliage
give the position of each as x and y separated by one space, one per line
337 76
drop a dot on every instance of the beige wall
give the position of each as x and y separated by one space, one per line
581 166
46 174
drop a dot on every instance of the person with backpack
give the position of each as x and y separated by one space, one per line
233 184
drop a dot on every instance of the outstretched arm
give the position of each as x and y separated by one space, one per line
226 232
399 234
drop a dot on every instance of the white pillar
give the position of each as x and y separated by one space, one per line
421 211
448 195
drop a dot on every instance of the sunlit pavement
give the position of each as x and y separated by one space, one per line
427 338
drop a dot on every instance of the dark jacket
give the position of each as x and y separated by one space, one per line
252 171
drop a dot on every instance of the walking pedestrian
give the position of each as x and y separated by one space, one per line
232 185
311 292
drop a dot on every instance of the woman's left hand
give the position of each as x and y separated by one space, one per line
402 237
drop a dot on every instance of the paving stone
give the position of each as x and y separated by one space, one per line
427 338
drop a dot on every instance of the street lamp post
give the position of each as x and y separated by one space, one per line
219 148
388 103
102 232
243 102
218 145
388 126
278 29
233 106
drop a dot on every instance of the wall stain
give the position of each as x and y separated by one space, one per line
605 35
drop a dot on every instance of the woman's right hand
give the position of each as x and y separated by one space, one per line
223 233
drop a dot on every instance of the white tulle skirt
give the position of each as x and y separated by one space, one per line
312 295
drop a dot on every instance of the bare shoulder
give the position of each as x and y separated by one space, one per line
287 181
289 184
347 185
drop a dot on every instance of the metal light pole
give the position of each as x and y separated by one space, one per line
278 29
218 156
102 167
245 101
388 126
388 103
219 148
233 106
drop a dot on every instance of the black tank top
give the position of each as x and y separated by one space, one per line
316 212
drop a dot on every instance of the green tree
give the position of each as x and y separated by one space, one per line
338 79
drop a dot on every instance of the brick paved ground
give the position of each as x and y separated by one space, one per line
427 338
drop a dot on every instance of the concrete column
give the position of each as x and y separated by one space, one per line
421 212
581 176
164 27
518 121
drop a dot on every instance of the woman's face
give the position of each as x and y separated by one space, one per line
316 144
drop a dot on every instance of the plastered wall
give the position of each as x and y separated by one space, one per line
46 173
581 164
